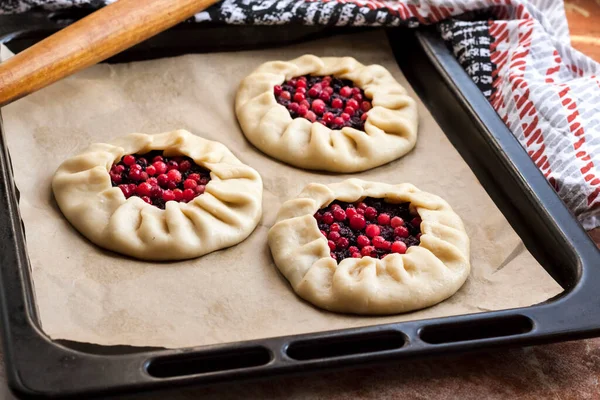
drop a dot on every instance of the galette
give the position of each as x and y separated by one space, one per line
168 196
332 114
370 248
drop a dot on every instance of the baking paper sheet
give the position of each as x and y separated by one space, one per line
87 294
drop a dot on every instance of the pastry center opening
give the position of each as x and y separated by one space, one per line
371 227
157 179
332 101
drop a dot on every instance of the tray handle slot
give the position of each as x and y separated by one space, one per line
338 346
476 329
205 363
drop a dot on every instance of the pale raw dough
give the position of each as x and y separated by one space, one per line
224 215
424 276
390 128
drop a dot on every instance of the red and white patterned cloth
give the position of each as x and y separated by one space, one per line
516 51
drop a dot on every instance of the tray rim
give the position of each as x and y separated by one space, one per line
26 344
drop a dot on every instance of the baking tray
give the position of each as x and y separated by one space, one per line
38 366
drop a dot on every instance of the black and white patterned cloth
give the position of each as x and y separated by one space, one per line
516 51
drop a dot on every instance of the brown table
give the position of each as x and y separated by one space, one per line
559 371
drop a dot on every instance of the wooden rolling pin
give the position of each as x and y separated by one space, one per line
90 40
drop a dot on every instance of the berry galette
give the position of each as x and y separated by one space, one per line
169 196
332 114
370 248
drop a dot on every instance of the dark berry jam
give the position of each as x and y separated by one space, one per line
371 227
333 102
157 179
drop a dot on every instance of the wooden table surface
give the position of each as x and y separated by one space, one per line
568 370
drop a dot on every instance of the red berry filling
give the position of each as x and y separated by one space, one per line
157 179
371 227
333 102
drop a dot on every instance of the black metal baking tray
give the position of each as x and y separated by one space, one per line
37 366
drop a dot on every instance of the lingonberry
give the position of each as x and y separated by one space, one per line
398 247
129 160
338 121
172 185
314 92
285 95
151 170
363 241
174 175
342 243
357 222
372 230
144 189
190 184
318 106
334 235
328 218
188 195
125 190
379 242
302 110
325 95
116 178
135 174
339 215
401 231
396 222
367 251
352 103
346 91
350 212
162 180
337 103
178 193
383 219
185 166
370 213
160 167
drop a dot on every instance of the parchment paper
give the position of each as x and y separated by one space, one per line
90 295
